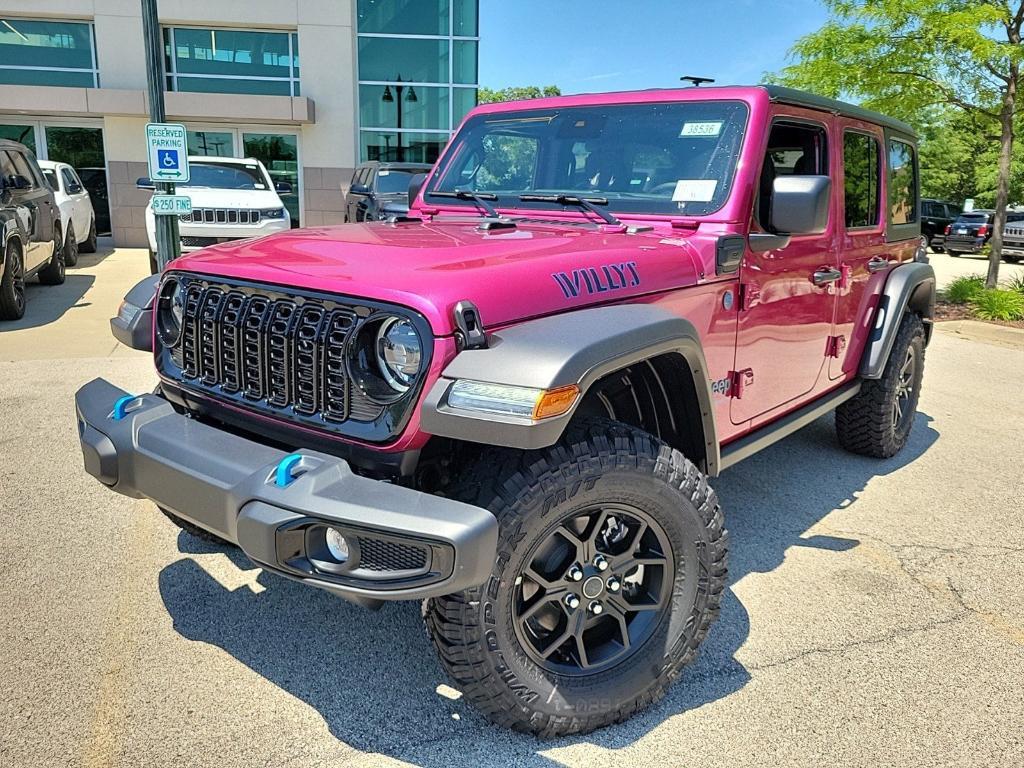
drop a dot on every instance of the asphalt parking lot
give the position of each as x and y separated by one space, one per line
874 615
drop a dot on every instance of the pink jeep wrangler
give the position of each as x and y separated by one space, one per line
509 403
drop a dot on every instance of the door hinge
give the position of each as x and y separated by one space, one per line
739 381
835 346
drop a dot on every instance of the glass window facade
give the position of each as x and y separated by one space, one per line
231 61
417 68
47 52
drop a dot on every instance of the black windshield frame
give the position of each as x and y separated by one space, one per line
625 137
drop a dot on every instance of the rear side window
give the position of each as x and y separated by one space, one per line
902 183
861 164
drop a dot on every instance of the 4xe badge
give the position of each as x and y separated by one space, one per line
591 280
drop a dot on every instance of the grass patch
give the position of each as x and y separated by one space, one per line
964 289
998 304
1016 283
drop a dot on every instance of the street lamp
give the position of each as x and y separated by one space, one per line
396 98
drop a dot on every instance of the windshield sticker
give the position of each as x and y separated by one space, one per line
709 129
695 190
591 280
383 173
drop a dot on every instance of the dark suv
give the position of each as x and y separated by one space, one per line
936 215
380 190
30 225
972 229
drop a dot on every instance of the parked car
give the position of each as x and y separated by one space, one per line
32 240
936 215
973 229
512 402
1013 238
233 198
77 219
379 190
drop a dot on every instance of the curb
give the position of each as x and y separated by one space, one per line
975 330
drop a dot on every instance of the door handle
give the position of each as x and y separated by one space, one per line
877 264
826 275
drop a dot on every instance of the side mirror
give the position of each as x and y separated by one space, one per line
19 182
143 183
359 189
283 187
800 204
74 189
415 185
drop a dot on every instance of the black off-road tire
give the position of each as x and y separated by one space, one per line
194 530
1012 259
12 285
866 423
597 462
70 247
53 272
89 244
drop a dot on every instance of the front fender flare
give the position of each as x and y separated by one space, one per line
573 348
910 287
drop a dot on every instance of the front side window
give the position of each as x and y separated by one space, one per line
38 52
902 183
226 176
231 61
23 168
667 158
861 162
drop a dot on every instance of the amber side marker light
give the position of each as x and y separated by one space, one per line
555 402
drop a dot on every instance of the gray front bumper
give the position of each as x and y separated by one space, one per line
229 485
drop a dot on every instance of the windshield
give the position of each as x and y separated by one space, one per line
391 181
226 176
670 158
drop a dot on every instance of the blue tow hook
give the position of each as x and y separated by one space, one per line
283 476
121 407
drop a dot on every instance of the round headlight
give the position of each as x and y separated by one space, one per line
399 352
170 311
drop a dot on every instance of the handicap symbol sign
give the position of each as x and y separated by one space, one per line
168 158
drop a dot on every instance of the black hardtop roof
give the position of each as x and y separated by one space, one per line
800 98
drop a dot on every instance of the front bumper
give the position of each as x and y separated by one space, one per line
404 544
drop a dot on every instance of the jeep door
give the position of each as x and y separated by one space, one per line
788 294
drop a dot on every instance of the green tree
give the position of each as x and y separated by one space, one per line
912 58
516 93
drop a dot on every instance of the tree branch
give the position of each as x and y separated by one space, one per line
951 97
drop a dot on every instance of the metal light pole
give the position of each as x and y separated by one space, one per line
168 244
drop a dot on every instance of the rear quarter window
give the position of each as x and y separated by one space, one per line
902 183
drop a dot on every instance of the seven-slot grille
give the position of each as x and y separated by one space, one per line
222 216
275 352
1015 233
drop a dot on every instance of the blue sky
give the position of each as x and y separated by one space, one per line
601 45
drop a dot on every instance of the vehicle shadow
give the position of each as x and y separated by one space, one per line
373 676
104 248
46 303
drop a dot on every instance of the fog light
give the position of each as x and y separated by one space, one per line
336 545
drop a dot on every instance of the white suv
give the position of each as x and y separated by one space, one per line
77 219
232 198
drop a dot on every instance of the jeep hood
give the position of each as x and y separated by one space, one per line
512 274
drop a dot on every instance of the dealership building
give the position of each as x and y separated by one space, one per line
309 87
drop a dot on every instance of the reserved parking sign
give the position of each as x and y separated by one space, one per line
168 152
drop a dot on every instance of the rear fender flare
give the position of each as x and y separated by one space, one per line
574 348
910 287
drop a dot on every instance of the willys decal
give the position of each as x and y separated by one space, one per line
590 280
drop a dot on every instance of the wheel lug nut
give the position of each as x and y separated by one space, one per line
596 608
613 584
601 563
572 601
575 573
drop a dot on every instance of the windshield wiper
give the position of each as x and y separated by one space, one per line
587 203
480 198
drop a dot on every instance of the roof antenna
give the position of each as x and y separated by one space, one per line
697 81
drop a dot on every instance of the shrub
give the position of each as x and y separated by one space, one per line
1016 283
998 304
964 289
